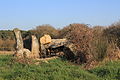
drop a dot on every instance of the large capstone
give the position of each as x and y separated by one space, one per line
46 39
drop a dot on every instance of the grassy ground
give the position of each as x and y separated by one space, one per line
55 70
108 71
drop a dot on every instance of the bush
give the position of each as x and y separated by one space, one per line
7 45
113 36
81 36
113 33
6 34
99 43
7 39
45 29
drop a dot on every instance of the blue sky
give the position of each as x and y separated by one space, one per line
27 14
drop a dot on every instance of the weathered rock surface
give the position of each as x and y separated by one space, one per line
56 43
19 43
27 53
35 47
72 48
21 52
46 47
43 50
58 46
45 39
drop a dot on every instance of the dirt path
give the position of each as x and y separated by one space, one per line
6 52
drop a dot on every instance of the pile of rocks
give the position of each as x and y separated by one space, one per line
39 48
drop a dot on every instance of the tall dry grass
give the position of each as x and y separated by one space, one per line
7 45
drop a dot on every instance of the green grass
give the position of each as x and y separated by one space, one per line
54 70
108 71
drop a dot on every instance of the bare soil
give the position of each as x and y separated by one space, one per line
6 52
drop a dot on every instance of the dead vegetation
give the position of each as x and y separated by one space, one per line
85 45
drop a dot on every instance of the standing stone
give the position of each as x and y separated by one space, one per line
19 43
43 50
21 52
46 39
35 47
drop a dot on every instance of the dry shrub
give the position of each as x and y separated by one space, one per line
7 45
113 52
45 29
99 43
1 42
7 40
113 35
81 36
106 42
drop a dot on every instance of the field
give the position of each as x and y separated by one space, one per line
56 69
65 40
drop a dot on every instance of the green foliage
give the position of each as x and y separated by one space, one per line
25 34
108 71
6 34
54 70
7 39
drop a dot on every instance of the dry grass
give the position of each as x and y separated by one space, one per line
6 52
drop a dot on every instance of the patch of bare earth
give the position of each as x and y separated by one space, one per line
6 52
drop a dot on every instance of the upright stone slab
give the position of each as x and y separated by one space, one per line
35 47
19 43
